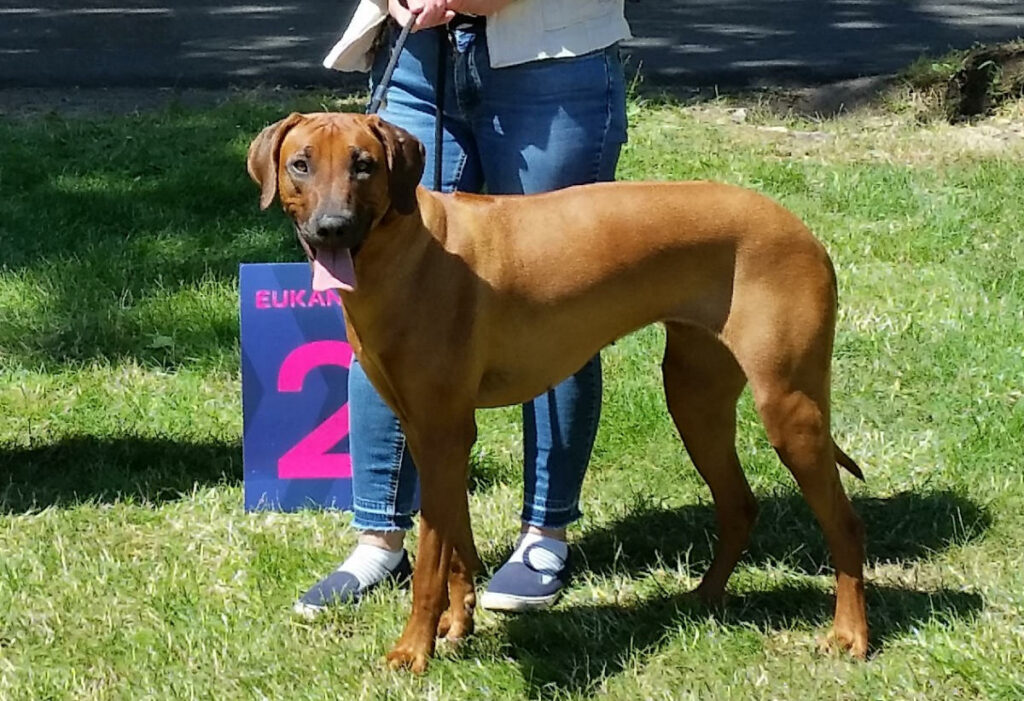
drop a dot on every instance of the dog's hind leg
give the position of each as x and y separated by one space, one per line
702 384
790 382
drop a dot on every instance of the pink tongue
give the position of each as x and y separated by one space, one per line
333 270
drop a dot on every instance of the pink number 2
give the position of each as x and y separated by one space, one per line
309 459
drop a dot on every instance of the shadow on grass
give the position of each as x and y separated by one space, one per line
904 526
106 470
573 650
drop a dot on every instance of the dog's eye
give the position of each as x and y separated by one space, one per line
299 165
362 166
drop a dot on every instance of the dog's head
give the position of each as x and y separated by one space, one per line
337 175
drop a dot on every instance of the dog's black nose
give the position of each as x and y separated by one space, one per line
334 225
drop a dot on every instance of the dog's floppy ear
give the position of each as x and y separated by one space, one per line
405 163
263 153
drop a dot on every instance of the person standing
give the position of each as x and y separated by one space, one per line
534 101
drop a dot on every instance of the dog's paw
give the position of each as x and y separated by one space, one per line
713 597
455 625
413 659
412 652
853 642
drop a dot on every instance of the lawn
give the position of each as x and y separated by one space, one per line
129 569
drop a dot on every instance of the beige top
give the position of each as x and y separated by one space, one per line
524 30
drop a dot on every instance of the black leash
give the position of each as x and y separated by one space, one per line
385 81
439 88
442 73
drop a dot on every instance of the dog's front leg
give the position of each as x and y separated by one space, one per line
446 556
429 599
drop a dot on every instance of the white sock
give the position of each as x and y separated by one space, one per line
370 564
550 553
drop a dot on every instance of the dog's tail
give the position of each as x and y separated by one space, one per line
847 462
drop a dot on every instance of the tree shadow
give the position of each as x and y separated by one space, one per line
122 237
109 470
187 42
572 649
727 42
745 43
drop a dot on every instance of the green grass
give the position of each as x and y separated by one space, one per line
129 570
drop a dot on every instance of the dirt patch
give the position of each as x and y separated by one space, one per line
831 100
988 77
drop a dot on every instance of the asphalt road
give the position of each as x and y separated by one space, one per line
192 44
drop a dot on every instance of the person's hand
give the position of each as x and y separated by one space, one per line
429 13
477 7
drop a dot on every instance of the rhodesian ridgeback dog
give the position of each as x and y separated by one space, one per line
456 301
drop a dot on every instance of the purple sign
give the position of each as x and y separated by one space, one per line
295 362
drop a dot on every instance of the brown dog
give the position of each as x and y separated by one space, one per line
454 302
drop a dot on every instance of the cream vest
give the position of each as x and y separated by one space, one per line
526 30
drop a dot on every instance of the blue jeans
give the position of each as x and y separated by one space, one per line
524 129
